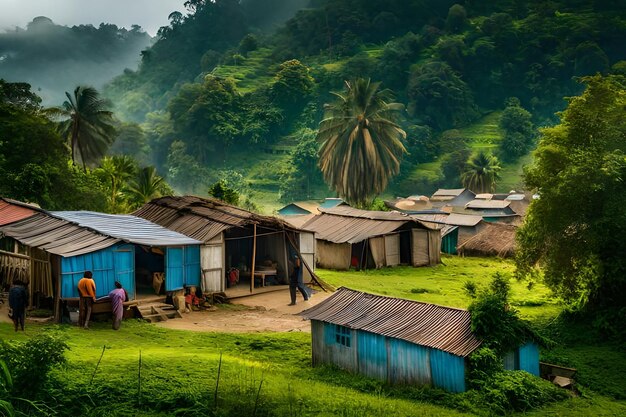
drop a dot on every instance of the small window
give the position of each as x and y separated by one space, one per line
342 335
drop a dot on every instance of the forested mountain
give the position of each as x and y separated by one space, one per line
55 58
218 86
234 90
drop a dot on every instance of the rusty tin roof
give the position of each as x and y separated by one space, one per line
434 326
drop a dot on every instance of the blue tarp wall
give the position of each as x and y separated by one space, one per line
117 263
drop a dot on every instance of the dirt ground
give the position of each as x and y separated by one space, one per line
267 312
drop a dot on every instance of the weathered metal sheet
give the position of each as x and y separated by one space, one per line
529 358
129 228
203 218
408 363
487 204
448 371
342 229
372 355
438 327
57 236
10 212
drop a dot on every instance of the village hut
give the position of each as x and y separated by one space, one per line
21 262
371 239
491 210
495 239
400 341
455 228
241 250
456 197
120 248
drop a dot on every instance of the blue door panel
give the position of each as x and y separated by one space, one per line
192 265
174 271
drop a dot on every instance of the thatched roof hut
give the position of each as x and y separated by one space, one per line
495 239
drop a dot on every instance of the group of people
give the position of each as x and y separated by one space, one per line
18 297
87 293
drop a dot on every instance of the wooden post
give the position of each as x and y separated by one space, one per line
286 248
252 261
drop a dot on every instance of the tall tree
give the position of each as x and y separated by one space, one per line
361 142
481 173
89 125
147 186
575 230
116 171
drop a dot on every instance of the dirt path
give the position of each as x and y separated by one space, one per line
266 312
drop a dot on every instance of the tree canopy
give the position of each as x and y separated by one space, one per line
575 229
361 143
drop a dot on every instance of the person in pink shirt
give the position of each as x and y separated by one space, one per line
118 296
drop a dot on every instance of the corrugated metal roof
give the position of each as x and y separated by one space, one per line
202 218
344 229
331 202
11 212
453 219
487 204
453 192
367 214
345 224
126 227
57 236
434 326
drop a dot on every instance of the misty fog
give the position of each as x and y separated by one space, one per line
55 59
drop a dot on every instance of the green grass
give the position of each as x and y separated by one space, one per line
179 368
251 73
443 284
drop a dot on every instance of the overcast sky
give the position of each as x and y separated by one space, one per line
149 14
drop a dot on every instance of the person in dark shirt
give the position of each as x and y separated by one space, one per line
17 302
296 282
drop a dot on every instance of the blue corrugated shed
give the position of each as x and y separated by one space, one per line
400 341
292 210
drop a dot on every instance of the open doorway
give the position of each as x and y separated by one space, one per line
149 271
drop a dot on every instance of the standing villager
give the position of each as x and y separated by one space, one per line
296 282
17 302
87 292
118 296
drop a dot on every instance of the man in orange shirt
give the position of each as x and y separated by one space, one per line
87 292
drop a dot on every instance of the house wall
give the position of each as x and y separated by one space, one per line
333 255
117 263
212 257
388 359
307 250
108 265
524 358
449 242
426 247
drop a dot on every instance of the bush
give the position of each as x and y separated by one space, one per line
517 391
31 361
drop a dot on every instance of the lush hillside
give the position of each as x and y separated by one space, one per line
226 89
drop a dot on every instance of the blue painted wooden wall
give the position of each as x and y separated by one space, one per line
117 263
388 359
108 265
525 358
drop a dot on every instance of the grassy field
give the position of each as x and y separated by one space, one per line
271 375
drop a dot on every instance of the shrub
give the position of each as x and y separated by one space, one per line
518 391
30 362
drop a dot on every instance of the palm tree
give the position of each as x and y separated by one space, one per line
88 128
117 171
481 173
361 143
147 186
